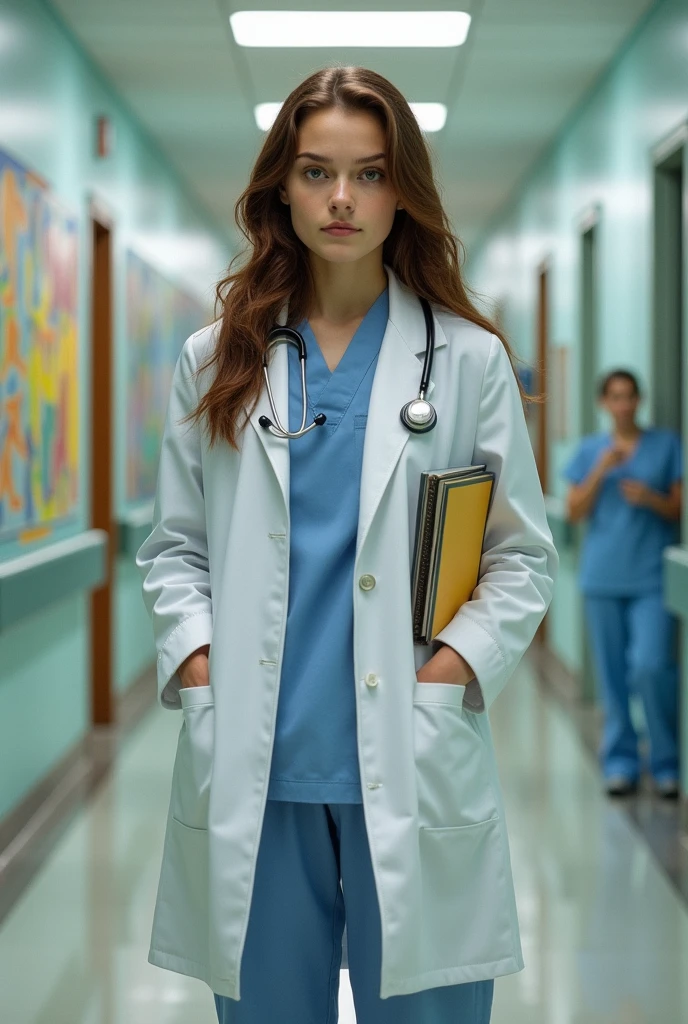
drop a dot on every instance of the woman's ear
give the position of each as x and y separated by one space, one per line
283 194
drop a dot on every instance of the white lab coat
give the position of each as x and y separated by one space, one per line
215 570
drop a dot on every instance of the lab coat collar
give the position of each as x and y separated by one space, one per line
396 382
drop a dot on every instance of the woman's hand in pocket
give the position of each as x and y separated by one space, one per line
446 666
193 671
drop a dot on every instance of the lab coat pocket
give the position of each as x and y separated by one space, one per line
193 768
466 895
453 772
180 923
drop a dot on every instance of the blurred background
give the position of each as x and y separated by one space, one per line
559 132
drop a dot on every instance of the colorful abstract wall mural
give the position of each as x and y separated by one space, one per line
39 393
160 317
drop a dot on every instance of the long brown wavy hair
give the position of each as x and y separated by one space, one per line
420 248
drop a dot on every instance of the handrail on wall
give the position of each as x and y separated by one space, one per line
564 532
675 578
31 582
134 527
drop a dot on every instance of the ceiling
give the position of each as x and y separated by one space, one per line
524 67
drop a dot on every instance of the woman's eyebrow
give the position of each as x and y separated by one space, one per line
328 159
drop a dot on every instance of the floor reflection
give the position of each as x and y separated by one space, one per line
605 936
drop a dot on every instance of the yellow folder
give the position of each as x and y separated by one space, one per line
453 505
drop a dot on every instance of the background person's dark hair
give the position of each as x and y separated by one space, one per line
605 381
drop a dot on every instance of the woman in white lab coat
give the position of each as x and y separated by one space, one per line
335 800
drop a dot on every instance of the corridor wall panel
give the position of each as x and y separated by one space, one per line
51 95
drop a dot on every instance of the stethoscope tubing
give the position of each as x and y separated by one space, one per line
428 414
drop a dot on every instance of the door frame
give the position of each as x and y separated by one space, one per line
102 380
540 386
588 226
668 364
672 148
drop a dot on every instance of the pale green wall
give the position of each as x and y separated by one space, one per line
49 95
601 156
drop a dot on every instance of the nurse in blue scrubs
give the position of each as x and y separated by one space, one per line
627 483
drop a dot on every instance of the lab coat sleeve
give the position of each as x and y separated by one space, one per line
518 566
173 560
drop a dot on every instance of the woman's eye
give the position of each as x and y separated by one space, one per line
319 172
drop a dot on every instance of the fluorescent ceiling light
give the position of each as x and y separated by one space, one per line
350 28
265 114
430 116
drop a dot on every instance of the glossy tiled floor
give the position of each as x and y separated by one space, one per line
605 937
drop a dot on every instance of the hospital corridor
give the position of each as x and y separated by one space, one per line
343 536
604 918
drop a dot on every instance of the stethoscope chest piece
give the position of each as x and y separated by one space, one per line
419 416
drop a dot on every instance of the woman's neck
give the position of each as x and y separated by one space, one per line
344 292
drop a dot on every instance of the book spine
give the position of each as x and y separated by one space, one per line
426 528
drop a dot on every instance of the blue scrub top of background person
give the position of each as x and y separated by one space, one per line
623 545
315 754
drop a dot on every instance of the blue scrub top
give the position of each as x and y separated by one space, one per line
622 549
315 754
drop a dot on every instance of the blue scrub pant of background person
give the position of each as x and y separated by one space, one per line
293 950
634 646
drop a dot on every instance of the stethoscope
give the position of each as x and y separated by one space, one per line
418 415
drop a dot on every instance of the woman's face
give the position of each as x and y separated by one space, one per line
339 174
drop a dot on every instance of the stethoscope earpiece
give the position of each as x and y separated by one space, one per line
418 415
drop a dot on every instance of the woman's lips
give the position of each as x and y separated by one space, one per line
341 231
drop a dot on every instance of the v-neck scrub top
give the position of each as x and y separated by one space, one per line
315 754
623 545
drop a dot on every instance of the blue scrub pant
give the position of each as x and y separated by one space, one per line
634 647
292 955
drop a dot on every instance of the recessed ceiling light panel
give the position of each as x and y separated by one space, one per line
430 116
265 114
328 29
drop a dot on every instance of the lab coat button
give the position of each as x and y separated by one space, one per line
374 785
366 582
371 679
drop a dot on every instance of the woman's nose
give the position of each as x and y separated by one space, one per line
341 192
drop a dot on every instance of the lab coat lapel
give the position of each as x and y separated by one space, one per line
396 382
276 448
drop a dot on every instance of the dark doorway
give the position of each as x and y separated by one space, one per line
102 704
667 349
540 386
588 368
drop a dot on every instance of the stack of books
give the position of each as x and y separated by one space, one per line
453 506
